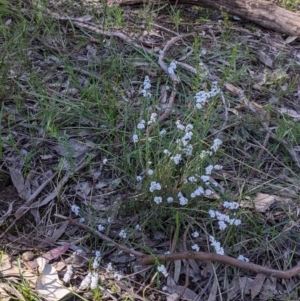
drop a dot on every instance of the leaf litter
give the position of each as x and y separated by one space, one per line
101 190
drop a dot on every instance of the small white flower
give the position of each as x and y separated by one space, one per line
86 282
152 118
78 252
94 281
118 276
162 132
230 205
176 159
169 199
158 199
168 153
218 167
209 169
147 84
163 270
75 209
123 234
182 200
82 220
203 51
97 254
95 263
222 225
199 191
212 213
109 268
138 227
150 172
199 106
208 192
139 178
243 258
141 124
195 234
179 125
192 179
196 247
205 179
154 186
188 150
101 228
216 145
69 273
235 222
171 68
146 93
135 138
110 220
104 161
186 138
219 250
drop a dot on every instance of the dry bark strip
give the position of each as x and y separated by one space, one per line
261 12
144 259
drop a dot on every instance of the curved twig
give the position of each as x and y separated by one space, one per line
223 259
144 259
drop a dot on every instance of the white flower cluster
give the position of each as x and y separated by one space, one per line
163 132
196 247
157 199
110 269
96 260
141 124
150 172
169 199
184 147
202 97
210 168
182 200
147 86
216 145
123 234
172 67
139 178
199 191
94 281
86 282
90 280
69 273
154 186
195 234
76 210
163 270
243 258
153 118
223 219
101 228
219 250
135 138
230 205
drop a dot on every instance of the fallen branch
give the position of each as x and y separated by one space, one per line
144 259
149 259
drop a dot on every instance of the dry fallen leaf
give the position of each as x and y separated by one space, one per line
49 286
289 112
261 202
257 285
